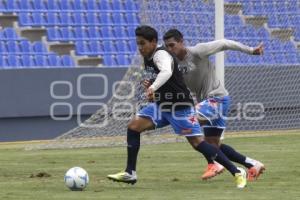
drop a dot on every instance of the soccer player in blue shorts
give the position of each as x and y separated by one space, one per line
170 104
213 99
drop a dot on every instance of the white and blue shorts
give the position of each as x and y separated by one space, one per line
184 122
215 111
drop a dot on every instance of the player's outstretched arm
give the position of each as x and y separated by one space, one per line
213 47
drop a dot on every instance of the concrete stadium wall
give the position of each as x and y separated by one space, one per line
29 95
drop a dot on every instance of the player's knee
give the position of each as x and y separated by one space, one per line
195 141
140 124
134 125
213 141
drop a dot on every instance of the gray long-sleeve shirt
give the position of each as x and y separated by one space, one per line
200 74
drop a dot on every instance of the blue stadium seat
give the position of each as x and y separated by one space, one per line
1 35
118 18
189 18
263 33
117 5
123 59
268 58
109 47
130 5
77 5
53 34
120 32
92 5
54 60
292 58
176 19
93 18
268 45
38 5
41 60
67 61
38 19
107 32
10 33
23 5
39 48
65 19
64 5
13 61
25 19
79 18
66 34
94 32
109 60
122 46
132 18
280 58
51 19
131 31
3 61
294 20
106 18
3 49
51 5
13 46
251 32
27 61
2 9
289 47
96 48
81 32
82 48
105 5
233 20
132 45
230 59
25 46
10 6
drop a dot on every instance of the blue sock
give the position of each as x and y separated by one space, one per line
209 151
133 146
234 155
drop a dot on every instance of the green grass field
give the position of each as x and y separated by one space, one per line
166 171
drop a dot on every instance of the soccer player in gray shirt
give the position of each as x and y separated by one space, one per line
212 98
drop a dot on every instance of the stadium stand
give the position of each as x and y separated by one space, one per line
105 29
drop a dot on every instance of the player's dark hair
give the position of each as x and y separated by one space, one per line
173 33
146 32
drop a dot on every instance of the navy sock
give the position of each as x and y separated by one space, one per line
209 151
209 160
234 155
133 146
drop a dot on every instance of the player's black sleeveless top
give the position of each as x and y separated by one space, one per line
174 90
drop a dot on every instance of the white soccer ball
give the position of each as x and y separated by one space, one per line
76 179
